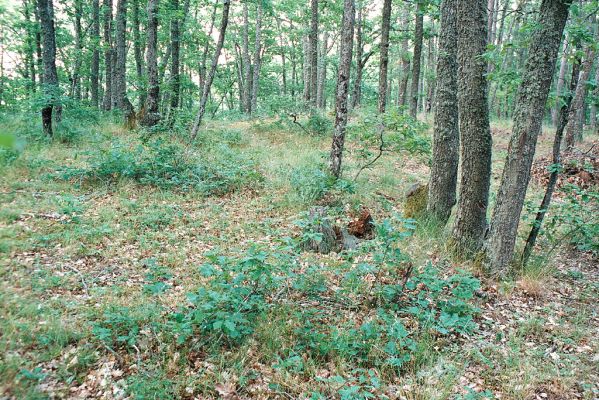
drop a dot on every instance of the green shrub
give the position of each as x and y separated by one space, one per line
319 124
312 183
166 166
401 133
229 306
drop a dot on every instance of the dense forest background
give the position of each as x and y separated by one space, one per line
282 199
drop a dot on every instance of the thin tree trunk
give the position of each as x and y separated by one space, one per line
151 115
75 79
107 103
341 109
95 61
405 71
175 54
557 144
444 168
202 66
313 39
247 63
51 90
594 125
322 73
575 119
282 54
257 58
122 102
210 77
29 46
560 84
357 90
138 53
418 36
475 132
384 56
528 119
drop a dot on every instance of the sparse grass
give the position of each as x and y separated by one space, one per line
94 276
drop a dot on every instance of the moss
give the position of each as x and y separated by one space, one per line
416 201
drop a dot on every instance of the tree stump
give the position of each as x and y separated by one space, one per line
416 201
320 223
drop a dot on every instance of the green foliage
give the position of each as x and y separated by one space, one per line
312 182
401 133
229 306
575 217
166 166
319 124
123 326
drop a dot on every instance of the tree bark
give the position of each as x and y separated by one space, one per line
313 39
444 168
322 73
418 36
202 66
475 133
576 117
122 101
345 58
384 56
51 90
560 84
257 59
29 46
75 78
247 63
95 61
151 115
594 126
528 118
557 144
107 102
210 77
138 53
175 58
357 90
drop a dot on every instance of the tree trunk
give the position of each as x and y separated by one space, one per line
210 77
51 90
151 115
202 66
138 53
576 117
345 58
418 36
384 56
282 54
257 58
560 84
557 144
107 102
475 133
95 61
528 119
357 90
120 73
247 63
175 54
405 72
322 73
75 79
29 46
444 168
594 105
313 39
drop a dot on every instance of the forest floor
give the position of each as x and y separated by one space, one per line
97 269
